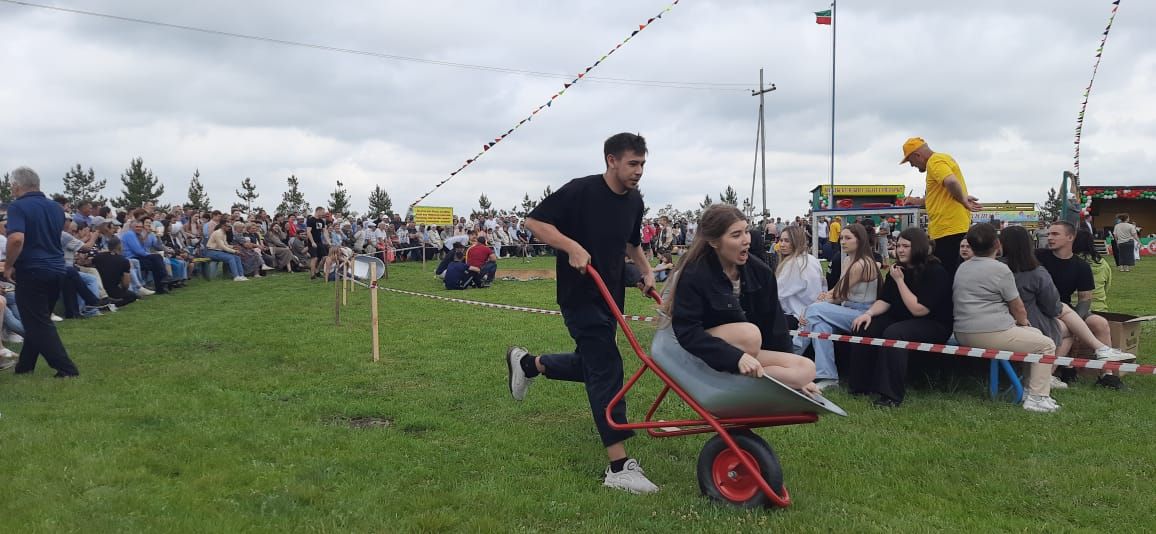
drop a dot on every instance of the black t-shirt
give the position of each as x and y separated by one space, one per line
1070 275
317 228
932 289
112 268
603 222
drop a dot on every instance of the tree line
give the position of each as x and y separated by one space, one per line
140 185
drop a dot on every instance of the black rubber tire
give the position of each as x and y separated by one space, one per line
763 455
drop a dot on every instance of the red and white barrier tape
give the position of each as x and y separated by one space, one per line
642 318
990 354
953 350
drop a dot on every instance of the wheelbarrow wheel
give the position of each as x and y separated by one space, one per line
722 476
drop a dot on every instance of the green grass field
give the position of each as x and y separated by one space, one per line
240 406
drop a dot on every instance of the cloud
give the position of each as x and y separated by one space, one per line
997 85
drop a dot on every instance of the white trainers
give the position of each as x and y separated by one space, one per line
825 383
266 267
13 337
144 292
631 478
6 352
1112 354
1040 404
240 279
519 382
57 318
1058 384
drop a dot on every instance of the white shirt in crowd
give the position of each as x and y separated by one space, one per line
822 230
800 280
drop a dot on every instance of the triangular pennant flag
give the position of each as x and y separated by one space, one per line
497 139
469 161
566 85
555 96
641 27
550 102
581 75
588 68
651 20
633 33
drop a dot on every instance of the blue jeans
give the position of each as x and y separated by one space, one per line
12 316
827 317
232 260
180 268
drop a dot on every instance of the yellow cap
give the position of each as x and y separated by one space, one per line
911 145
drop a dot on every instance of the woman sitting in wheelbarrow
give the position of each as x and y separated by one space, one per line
724 307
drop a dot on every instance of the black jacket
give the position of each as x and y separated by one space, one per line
704 298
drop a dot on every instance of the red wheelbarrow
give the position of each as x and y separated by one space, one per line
736 466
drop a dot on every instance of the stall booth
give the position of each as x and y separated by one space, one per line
1103 203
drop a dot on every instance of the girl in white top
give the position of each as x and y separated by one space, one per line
798 274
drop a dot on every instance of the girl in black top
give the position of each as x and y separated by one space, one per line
914 305
724 305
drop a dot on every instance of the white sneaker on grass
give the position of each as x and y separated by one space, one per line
631 478
144 292
6 352
1040 404
1058 384
13 337
519 382
1112 354
57 318
240 279
266 267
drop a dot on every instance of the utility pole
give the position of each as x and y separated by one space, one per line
761 139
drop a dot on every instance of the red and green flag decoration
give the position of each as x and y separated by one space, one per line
549 102
823 17
1084 104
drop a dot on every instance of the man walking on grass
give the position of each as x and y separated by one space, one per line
35 262
595 221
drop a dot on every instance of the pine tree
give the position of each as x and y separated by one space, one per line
527 206
6 189
379 202
339 199
80 186
546 193
706 203
247 193
1050 209
198 199
140 186
729 196
293 200
484 204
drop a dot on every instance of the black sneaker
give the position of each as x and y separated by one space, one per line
885 402
1110 382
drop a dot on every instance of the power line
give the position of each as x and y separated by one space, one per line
691 85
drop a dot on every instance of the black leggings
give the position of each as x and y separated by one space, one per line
883 370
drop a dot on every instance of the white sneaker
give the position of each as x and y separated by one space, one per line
112 308
1040 404
57 318
825 383
240 279
631 478
1058 384
519 382
6 352
1111 354
144 292
266 268
13 337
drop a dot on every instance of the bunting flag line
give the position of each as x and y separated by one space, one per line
1075 189
549 102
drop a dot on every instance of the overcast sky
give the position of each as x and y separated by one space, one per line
996 84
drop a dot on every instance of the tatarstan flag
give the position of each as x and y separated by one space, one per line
823 17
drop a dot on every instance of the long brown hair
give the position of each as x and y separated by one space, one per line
712 225
862 256
798 240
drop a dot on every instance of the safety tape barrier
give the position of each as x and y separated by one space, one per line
990 354
953 350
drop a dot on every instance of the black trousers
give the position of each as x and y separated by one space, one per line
947 250
155 264
595 362
36 294
883 370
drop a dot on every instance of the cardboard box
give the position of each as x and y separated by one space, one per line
1125 330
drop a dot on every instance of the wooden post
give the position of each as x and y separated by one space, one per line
336 297
373 309
344 281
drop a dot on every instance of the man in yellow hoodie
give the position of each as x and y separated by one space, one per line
946 199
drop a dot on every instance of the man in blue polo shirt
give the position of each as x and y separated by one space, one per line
36 264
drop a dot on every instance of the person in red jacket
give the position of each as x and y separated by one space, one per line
482 263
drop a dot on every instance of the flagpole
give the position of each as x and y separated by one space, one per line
831 193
